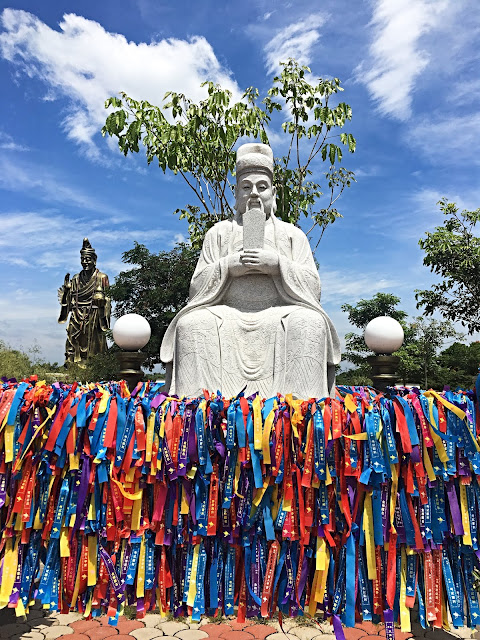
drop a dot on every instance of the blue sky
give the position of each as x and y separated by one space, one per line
410 69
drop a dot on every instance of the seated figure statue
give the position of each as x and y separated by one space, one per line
254 317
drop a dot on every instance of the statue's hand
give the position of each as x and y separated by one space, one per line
236 268
262 260
66 282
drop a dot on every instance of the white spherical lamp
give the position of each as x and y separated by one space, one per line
131 332
383 335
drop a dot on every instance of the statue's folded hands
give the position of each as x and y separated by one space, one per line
262 260
253 261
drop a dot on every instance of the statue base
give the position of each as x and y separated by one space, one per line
130 363
384 370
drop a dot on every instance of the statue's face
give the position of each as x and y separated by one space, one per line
253 188
87 261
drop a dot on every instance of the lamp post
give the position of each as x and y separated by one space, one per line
384 335
131 332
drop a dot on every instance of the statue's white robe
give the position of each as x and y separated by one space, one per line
268 333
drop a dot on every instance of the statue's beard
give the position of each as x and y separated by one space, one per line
90 269
240 214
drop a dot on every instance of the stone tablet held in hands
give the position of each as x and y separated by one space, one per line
253 229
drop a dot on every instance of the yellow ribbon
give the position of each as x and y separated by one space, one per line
141 570
350 404
257 423
321 558
451 407
192 588
393 496
467 537
267 428
64 544
92 561
50 413
369 539
405 623
136 512
130 496
9 571
149 440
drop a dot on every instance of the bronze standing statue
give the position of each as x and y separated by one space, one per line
84 298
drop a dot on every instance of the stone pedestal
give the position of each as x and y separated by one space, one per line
130 367
384 370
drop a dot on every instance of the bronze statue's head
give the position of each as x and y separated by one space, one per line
88 257
254 186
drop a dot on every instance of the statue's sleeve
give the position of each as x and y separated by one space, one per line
208 281
65 296
301 285
212 269
108 305
299 274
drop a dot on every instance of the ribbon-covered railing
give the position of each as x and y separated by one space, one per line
353 508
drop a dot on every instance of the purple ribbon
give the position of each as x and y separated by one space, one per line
337 625
82 494
115 581
389 625
3 489
157 400
455 509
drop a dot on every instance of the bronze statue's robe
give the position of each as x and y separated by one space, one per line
89 310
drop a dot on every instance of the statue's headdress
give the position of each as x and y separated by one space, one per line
87 249
255 156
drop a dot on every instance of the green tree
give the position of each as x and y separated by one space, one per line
20 364
14 363
156 287
452 251
197 141
423 350
459 365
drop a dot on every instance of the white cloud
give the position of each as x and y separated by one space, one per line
425 201
180 238
447 139
52 241
419 205
297 40
22 176
340 287
397 57
86 64
30 317
8 143
465 92
371 171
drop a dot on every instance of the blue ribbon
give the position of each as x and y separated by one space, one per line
349 618
451 591
319 445
229 581
199 603
231 425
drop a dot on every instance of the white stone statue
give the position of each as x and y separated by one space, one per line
254 317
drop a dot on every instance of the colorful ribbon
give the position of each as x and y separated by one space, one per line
356 507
